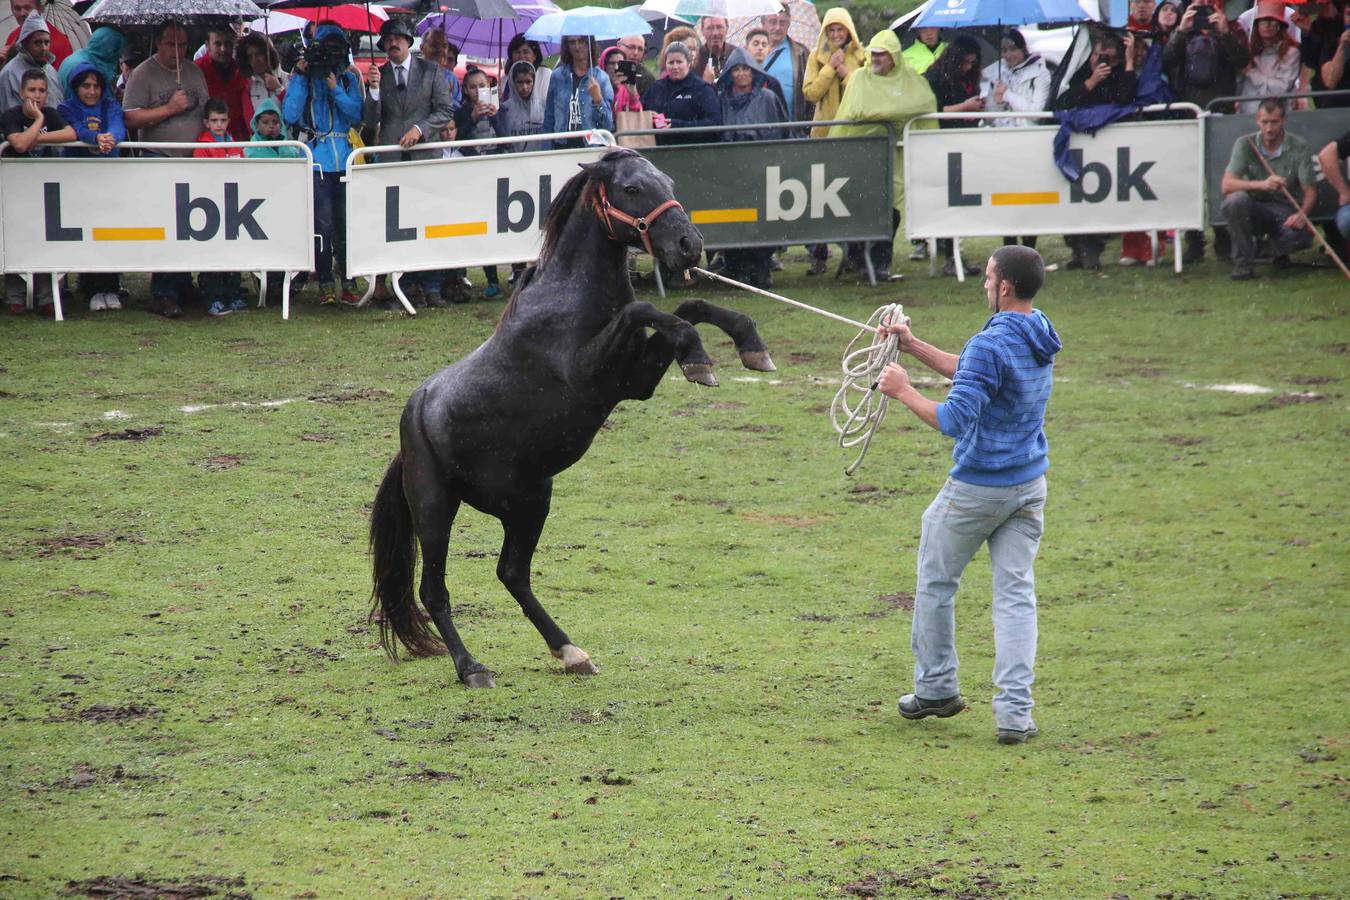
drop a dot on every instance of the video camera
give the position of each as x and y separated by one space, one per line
628 69
326 57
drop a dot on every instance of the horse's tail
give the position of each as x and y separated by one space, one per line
393 547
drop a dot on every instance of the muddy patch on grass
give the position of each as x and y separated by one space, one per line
726 405
127 434
318 437
762 518
1311 380
889 603
759 429
1294 399
150 886
222 462
79 545
928 880
99 713
816 617
802 357
1181 440
351 396
871 493
85 775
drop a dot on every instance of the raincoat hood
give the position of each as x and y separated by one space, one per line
897 96
328 31
840 16
739 57
1035 329
76 75
104 51
267 106
31 26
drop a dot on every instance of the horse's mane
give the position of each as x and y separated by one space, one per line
579 189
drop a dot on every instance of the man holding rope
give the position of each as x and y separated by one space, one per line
995 493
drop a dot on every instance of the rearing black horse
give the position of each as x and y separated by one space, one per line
494 428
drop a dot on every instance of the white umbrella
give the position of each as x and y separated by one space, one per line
727 9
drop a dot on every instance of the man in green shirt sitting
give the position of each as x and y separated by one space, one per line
1254 205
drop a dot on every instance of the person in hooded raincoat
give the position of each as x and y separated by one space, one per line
34 52
746 100
104 50
887 92
838 54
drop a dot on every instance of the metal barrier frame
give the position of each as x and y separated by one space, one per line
1311 95
592 137
29 277
1152 231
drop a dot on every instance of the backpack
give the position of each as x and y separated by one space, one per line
1202 60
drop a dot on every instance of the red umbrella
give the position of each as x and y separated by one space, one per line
350 16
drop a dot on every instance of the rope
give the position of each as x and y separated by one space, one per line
862 365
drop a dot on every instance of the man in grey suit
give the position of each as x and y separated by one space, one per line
409 98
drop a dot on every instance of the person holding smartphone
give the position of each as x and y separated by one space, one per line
579 93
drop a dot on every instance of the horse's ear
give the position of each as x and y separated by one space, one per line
597 169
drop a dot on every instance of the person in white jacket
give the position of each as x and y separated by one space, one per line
1019 82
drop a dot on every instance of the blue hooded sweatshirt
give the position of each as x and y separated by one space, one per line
322 117
105 117
269 106
996 407
104 50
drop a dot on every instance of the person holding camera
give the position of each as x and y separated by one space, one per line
322 104
1203 57
579 93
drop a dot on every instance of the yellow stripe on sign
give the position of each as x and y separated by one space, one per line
128 234
723 216
456 229
1033 198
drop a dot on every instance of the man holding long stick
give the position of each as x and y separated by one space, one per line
1258 191
995 493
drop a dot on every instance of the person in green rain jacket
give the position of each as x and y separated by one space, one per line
886 92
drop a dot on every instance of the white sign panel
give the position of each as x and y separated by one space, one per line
156 215
973 182
453 213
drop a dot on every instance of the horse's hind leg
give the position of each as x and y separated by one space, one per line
523 522
433 514
738 326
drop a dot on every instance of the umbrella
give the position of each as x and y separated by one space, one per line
153 12
349 16
804 29
591 21
727 9
964 13
661 23
475 9
485 38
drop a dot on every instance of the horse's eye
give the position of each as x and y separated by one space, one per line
630 189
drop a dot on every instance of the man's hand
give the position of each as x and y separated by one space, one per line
1188 18
593 88
33 110
179 102
1219 20
1000 90
1343 198
410 138
272 82
894 380
904 337
1296 221
331 81
302 65
373 77
1273 183
106 143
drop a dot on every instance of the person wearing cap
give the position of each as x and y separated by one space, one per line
1275 64
409 99
62 45
34 52
886 92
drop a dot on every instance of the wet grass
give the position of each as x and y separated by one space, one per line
191 699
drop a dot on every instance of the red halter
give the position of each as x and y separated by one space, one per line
604 212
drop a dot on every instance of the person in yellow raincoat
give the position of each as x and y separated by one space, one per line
838 54
885 92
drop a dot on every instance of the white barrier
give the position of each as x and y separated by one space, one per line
980 182
158 214
433 214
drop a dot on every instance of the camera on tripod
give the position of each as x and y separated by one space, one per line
326 57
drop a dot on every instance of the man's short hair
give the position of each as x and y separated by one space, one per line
32 75
165 26
1023 267
222 30
754 31
1111 40
214 106
1270 105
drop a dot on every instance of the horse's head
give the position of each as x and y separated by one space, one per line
636 204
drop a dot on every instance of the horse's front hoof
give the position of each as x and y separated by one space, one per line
479 680
699 373
757 361
575 660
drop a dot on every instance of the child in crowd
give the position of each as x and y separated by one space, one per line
444 286
477 117
96 117
267 127
522 109
29 128
222 291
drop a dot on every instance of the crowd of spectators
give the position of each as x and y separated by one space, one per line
749 84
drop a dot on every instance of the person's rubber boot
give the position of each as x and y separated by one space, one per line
912 706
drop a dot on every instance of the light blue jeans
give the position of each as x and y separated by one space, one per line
960 519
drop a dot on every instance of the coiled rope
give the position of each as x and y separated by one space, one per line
862 366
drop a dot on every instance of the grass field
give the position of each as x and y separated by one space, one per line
190 695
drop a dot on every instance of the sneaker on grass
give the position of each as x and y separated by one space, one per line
217 308
238 304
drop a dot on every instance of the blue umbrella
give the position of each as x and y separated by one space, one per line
591 21
968 13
